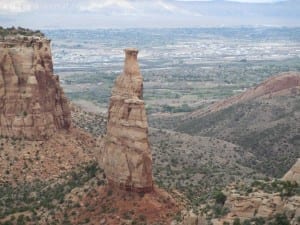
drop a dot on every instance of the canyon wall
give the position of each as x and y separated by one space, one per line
32 103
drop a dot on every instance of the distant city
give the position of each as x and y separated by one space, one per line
162 48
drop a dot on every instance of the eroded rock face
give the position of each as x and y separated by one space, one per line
32 104
126 156
293 174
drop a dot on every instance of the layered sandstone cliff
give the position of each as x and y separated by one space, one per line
32 104
126 156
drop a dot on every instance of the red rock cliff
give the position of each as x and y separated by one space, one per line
32 104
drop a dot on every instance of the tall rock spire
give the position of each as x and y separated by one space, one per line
126 158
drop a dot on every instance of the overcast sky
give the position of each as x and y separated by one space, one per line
41 14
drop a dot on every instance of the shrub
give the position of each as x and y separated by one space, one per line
220 197
246 222
258 221
237 221
281 219
21 220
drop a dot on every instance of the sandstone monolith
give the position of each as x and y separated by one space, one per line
126 157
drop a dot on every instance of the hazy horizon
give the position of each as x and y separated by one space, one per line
97 14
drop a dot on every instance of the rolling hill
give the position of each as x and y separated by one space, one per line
264 121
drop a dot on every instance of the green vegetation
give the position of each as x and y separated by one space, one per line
237 221
30 197
19 31
220 197
176 109
285 188
280 219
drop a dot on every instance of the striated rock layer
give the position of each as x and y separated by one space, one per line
127 159
32 104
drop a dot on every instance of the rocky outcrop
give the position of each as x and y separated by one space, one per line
293 174
262 204
32 104
126 157
259 205
263 200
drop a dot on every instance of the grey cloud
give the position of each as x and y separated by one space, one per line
157 13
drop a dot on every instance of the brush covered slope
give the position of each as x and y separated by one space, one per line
263 121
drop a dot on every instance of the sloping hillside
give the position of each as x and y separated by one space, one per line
195 165
273 86
264 121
